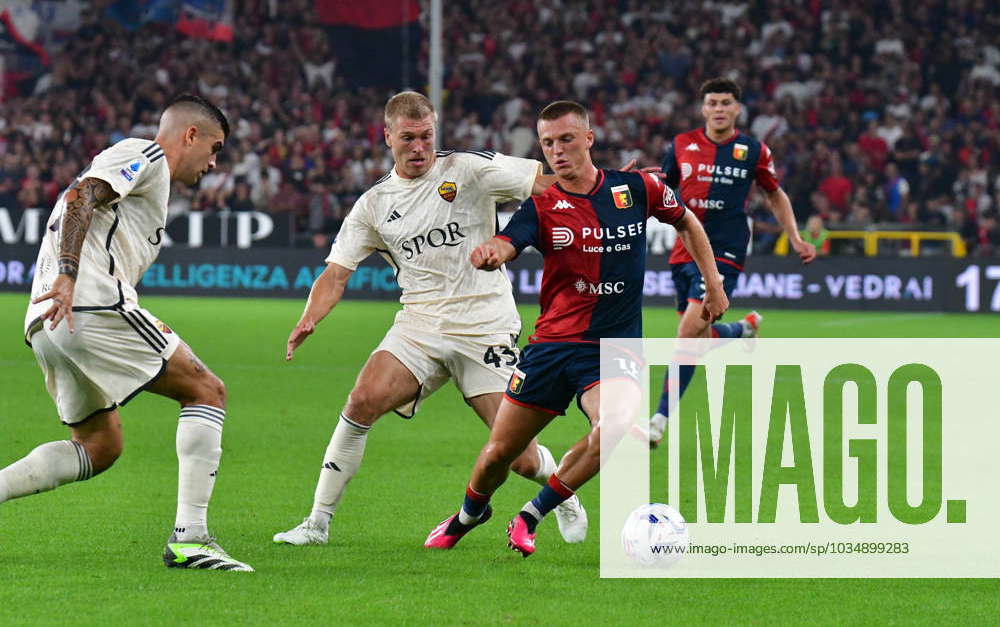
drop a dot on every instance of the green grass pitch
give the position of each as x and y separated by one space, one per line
90 553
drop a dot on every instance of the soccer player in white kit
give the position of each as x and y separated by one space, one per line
424 218
102 235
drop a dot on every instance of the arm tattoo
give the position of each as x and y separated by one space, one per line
81 201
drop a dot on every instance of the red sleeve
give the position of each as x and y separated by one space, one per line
661 201
765 175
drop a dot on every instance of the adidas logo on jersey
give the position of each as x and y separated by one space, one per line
394 216
563 204
693 147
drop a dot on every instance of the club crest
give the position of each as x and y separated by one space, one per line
516 381
447 190
622 195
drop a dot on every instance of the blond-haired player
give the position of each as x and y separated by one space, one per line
425 217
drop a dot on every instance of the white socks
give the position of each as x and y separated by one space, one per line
47 467
340 463
199 448
546 466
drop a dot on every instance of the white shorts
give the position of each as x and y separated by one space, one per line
480 364
110 358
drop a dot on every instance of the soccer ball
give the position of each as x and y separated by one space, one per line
655 535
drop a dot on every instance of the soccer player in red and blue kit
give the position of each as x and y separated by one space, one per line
714 167
590 226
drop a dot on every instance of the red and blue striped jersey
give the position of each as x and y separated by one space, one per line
714 182
595 253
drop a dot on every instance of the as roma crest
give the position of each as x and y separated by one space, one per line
162 327
740 152
448 190
622 195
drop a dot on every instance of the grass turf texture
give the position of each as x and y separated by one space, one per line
90 553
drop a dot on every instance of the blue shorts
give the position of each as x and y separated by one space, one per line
689 285
549 374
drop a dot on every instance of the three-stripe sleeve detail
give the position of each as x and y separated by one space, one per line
153 152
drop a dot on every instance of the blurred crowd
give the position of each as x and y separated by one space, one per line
877 113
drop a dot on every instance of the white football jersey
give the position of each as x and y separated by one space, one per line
426 229
124 237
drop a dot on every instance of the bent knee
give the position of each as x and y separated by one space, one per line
617 419
103 452
218 387
209 389
499 453
365 406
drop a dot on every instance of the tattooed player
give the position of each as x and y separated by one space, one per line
98 348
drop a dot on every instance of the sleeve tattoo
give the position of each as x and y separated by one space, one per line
81 200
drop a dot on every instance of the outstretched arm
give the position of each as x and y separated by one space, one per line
781 207
326 292
691 232
492 253
81 201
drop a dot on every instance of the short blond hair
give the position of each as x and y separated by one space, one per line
410 105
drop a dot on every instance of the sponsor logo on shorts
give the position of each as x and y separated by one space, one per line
126 175
516 381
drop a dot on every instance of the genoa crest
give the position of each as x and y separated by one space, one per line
516 381
622 196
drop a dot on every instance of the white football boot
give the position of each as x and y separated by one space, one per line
308 532
572 520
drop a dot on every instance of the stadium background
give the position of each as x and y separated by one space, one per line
882 118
